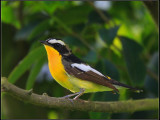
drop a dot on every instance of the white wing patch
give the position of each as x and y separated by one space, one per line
52 41
86 68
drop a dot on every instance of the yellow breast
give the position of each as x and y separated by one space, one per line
56 67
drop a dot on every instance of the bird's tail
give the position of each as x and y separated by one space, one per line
114 82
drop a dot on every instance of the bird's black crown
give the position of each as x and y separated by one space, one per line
57 44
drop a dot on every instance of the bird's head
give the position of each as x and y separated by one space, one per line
58 45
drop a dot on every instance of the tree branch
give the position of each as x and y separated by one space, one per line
82 105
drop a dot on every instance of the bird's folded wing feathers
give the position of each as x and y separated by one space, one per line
79 69
85 72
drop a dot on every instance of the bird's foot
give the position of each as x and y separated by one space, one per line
77 95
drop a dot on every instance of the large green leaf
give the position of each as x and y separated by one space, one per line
24 32
111 70
8 15
46 6
25 64
108 68
37 25
91 57
108 35
39 29
135 65
74 15
34 72
94 17
73 41
151 84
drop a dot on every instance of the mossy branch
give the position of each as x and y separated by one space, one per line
82 105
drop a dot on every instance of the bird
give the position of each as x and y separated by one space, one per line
74 74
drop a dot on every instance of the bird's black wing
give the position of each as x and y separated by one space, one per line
85 75
90 75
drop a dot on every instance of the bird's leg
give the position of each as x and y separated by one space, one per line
68 96
80 93
113 92
77 93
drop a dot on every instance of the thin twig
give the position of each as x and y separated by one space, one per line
83 41
100 13
152 74
20 13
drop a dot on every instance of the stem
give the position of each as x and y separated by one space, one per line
104 18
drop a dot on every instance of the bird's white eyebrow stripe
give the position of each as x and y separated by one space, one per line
85 68
52 41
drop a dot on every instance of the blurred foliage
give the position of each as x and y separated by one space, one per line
124 48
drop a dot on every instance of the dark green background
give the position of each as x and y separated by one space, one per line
123 45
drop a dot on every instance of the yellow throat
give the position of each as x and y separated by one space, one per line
56 67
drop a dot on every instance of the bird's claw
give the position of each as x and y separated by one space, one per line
68 98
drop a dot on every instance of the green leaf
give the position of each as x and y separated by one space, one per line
37 25
25 64
46 6
23 33
91 57
74 15
135 66
111 70
150 83
108 35
73 41
94 17
34 72
39 29
77 47
8 14
108 68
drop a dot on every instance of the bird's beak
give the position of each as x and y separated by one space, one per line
43 42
